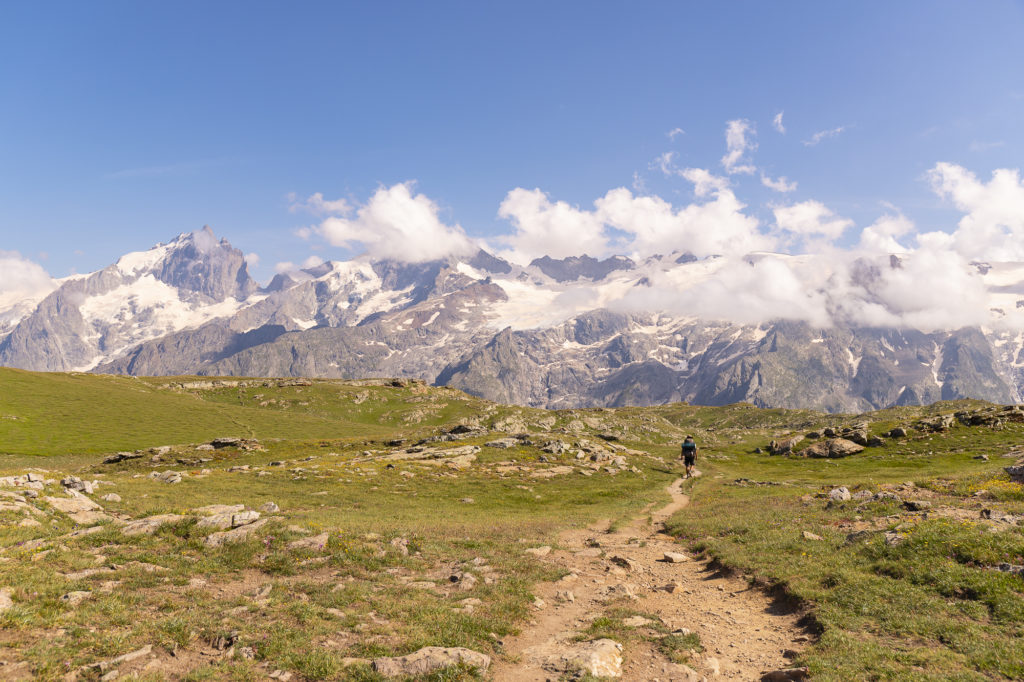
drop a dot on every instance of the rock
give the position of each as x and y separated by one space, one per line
829 432
111 497
502 443
226 520
623 590
315 543
75 483
565 596
149 525
917 505
898 432
269 507
5 599
840 494
463 581
429 659
167 476
886 495
234 535
983 458
624 562
75 598
675 558
218 443
402 545
70 505
600 658
858 436
875 442
893 539
786 675
833 448
636 621
784 447
1016 473
123 456
220 509
672 588
538 551
863 495
808 535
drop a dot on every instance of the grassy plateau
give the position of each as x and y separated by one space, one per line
388 524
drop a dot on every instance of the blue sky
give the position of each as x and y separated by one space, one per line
126 123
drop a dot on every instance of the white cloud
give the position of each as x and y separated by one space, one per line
546 228
810 218
881 236
655 227
777 123
252 259
704 182
781 184
993 227
737 144
675 132
985 146
285 267
396 224
665 163
22 279
312 262
317 205
823 135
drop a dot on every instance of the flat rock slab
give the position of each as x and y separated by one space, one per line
235 535
316 543
149 525
70 505
675 558
429 659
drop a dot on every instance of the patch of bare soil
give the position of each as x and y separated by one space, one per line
744 631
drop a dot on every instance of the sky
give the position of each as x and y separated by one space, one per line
321 130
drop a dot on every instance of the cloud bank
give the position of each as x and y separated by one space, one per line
22 279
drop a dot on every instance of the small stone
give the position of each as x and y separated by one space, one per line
624 562
539 551
636 621
917 505
75 598
269 507
841 494
808 535
111 497
565 596
786 675
675 558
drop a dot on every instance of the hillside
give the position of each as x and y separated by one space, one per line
197 528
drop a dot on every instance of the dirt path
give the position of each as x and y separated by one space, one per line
743 631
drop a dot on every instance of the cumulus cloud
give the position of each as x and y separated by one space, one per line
317 205
737 145
823 135
777 123
881 236
641 225
252 259
675 132
395 223
547 228
810 219
993 227
21 279
780 184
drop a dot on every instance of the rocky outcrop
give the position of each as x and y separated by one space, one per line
832 448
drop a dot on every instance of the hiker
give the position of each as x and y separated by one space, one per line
689 455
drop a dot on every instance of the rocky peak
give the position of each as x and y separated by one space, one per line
573 268
199 262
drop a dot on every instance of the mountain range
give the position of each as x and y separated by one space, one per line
553 333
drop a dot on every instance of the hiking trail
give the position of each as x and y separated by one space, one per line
743 630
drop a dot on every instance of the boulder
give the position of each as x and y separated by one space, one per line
786 675
428 659
858 436
833 448
70 505
675 558
600 658
917 505
77 484
841 494
898 432
808 535
784 447
1016 473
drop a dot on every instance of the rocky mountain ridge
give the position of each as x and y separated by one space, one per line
551 334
